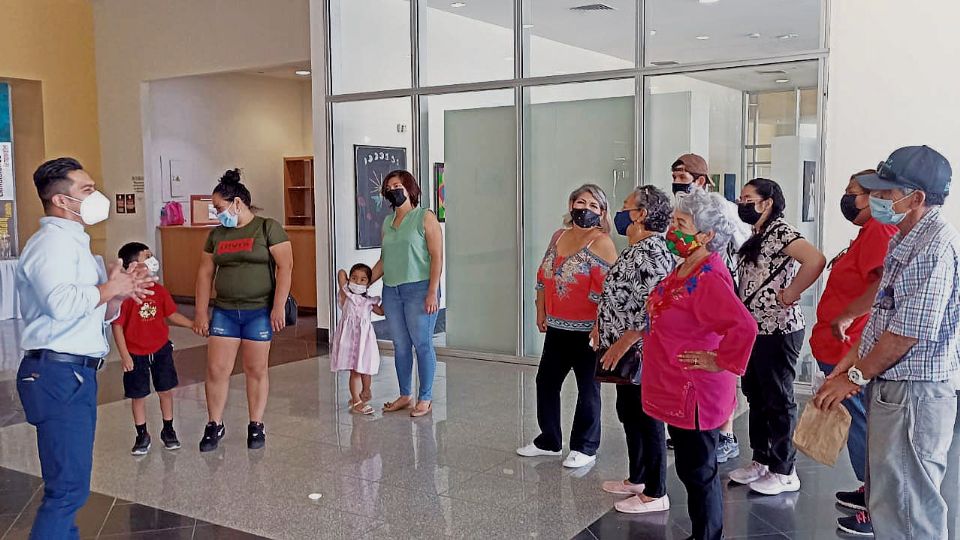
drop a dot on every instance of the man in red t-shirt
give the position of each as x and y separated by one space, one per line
841 317
143 340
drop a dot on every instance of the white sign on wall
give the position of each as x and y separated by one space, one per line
7 190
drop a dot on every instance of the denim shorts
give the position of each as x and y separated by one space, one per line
248 324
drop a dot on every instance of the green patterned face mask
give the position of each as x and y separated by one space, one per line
682 244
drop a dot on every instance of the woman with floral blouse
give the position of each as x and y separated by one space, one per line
698 340
776 265
568 289
621 319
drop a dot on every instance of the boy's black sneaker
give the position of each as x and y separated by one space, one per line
142 445
211 437
855 500
169 438
256 438
858 525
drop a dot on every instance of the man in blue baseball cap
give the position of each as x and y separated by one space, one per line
909 351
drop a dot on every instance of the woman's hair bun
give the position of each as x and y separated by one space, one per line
232 176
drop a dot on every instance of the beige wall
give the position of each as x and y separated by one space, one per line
175 38
892 83
51 43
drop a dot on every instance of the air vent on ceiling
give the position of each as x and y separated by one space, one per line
665 63
592 7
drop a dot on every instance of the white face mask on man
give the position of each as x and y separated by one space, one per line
93 209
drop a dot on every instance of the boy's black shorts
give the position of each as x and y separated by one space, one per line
136 383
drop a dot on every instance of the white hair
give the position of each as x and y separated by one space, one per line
712 213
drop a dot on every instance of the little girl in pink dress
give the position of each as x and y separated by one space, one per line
354 345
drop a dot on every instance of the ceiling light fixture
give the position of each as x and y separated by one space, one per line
788 36
653 32
458 4
709 1
754 35
703 38
302 72
782 81
527 26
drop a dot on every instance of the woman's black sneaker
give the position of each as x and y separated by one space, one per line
169 438
858 525
211 436
142 444
256 438
855 500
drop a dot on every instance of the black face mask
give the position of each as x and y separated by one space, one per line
848 207
584 218
396 197
682 188
748 213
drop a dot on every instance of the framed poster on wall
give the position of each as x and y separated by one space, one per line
371 165
441 198
8 191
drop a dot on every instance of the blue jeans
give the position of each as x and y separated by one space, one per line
60 400
857 440
411 328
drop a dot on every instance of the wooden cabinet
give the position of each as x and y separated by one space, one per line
298 191
181 248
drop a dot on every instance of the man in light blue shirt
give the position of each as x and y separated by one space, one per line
67 300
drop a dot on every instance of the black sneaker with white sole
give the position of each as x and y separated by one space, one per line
858 525
854 500
256 438
142 444
169 438
211 437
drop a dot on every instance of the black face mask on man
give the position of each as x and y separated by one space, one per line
848 207
585 218
396 197
679 187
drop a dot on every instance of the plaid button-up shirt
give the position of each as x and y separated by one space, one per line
919 297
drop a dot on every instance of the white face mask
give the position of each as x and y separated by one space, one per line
356 288
152 264
93 209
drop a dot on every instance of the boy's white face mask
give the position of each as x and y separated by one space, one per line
153 265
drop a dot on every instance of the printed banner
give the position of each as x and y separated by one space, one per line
7 189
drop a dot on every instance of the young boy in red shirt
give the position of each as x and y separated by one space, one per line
143 340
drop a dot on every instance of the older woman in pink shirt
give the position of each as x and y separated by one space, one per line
700 337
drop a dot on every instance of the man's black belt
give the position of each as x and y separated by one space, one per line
46 355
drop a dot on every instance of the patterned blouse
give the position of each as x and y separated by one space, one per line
571 286
623 301
760 298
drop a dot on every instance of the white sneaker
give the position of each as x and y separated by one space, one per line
775 484
749 474
575 460
532 450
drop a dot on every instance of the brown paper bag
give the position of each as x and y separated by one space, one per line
822 434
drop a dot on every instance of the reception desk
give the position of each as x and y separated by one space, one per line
181 248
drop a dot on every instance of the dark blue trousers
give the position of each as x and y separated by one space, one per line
60 400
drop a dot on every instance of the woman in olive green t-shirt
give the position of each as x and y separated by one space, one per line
410 264
248 308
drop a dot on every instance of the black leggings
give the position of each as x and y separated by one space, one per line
564 350
696 455
646 442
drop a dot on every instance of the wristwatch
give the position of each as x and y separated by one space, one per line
856 377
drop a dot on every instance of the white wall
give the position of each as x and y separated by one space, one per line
212 123
173 38
892 84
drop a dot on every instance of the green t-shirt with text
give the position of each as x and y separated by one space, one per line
242 259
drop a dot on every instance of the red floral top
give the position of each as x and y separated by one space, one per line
571 286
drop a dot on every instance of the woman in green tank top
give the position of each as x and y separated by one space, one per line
410 264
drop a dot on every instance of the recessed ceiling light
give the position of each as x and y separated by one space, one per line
653 32
458 4
302 72
527 26
788 36
709 1
782 81
703 38
754 35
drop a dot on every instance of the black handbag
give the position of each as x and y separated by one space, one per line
290 307
625 371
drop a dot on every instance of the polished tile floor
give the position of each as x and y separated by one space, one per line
453 474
